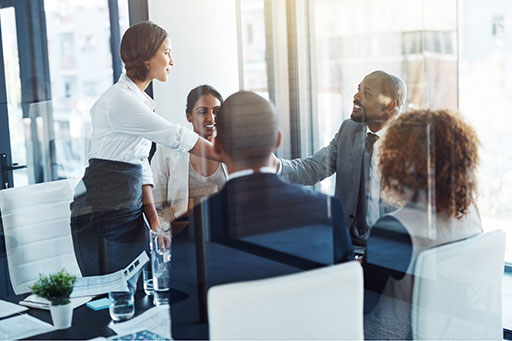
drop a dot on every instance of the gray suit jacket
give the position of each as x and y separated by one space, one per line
344 156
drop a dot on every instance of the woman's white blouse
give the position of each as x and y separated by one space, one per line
124 124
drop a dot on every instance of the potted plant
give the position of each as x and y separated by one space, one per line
57 288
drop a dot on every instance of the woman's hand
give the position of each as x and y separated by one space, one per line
204 148
190 208
162 242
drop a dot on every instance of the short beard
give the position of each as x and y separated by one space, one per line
359 118
356 118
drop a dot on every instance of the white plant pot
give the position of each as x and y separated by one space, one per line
62 315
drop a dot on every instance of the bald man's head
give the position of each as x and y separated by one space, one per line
247 129
392 86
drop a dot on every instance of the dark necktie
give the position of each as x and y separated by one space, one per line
364 184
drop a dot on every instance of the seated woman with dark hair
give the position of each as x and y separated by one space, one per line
427 161
182 179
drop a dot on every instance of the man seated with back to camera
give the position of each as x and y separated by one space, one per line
254 199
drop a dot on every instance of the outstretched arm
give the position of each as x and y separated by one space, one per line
204 148
309 171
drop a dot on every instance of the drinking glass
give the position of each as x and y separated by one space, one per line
160 264
121 305
147 276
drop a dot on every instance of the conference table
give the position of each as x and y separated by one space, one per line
87 323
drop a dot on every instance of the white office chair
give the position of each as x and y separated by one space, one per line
36 220
319 304
457 289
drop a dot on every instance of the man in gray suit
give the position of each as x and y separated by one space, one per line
379 98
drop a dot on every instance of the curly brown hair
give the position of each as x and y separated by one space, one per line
404 160
140 42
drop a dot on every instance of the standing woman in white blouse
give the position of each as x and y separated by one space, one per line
107 212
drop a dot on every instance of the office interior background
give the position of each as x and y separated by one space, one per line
306 56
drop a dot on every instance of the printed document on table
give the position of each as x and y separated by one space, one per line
156 320
23 326
8 308
97 285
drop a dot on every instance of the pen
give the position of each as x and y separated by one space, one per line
35 304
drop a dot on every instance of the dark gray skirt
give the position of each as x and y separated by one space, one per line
106 217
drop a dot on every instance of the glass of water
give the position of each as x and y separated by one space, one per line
147 276
121 305
160 264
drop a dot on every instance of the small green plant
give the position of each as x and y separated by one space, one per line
56 287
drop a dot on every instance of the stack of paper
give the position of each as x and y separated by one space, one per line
8 308
23 326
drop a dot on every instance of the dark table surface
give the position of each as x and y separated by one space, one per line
87 323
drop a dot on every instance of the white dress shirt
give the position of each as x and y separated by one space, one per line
373 200
246 172
124 124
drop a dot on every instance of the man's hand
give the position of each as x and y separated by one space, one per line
275 162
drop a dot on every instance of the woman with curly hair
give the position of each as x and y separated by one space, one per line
428 161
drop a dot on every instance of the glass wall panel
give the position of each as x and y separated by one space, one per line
452 54
254 46
13 88
485 93
80 70
413 39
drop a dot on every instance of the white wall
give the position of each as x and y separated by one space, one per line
204 49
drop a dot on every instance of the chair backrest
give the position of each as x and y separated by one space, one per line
326 303
457 289
36 221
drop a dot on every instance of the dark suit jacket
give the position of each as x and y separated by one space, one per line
262 203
